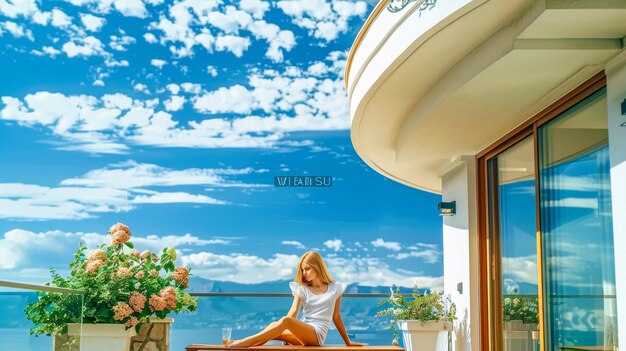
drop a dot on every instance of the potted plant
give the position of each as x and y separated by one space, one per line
521 318
424 319
124 289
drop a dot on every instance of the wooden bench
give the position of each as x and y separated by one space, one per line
203 347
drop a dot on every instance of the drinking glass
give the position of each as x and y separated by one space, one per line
226 335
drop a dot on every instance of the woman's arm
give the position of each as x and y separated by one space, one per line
295 307
339 324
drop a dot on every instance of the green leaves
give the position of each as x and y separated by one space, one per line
105 313
169 266
423 307
129 245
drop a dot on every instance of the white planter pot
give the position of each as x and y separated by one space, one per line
102 337
425 336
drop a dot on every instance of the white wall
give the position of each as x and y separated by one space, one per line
616 93
460 252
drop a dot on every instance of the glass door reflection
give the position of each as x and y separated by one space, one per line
513 225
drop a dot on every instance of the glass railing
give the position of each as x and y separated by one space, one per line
15 327
245 313
248 313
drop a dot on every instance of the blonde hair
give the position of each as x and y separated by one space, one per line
313 259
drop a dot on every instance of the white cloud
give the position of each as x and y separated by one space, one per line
22 250
375 272
429 256
521 269
574 202
59 203
236 99
235 44
256 8
18 8
92 23
335 244
119 43
47 51
88 46
211 70
128 8
175 103
42 18
192 88
278 40
16 30
117 188
271 105
191 24
150 38
60 19
131 8
98 83
177 197
119 101
142 88
241 268
324 19
224 22
158 63
251 269
173 88
297 244
318 69
133 175
391 245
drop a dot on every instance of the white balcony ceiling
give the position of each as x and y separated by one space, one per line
473 77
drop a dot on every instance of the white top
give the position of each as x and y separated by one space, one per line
317 310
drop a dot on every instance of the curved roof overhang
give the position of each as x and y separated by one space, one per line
428 91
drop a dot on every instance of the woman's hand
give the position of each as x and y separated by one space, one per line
352 343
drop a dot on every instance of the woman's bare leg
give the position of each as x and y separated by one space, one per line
302 332
287 338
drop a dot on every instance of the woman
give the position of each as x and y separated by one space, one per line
320 299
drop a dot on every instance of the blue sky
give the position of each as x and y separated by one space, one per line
174 117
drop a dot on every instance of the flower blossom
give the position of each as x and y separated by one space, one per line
145 254
97 255
181 275
119 237
121 311
135 254
140 275
93 266
119 227
132 322
157 303
154 273
137 301
169 295
124 271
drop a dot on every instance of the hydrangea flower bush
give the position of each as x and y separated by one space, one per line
522 308
121 286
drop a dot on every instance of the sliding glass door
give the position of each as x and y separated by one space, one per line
577 229
513 227
548 261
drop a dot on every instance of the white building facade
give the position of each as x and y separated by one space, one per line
516 111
